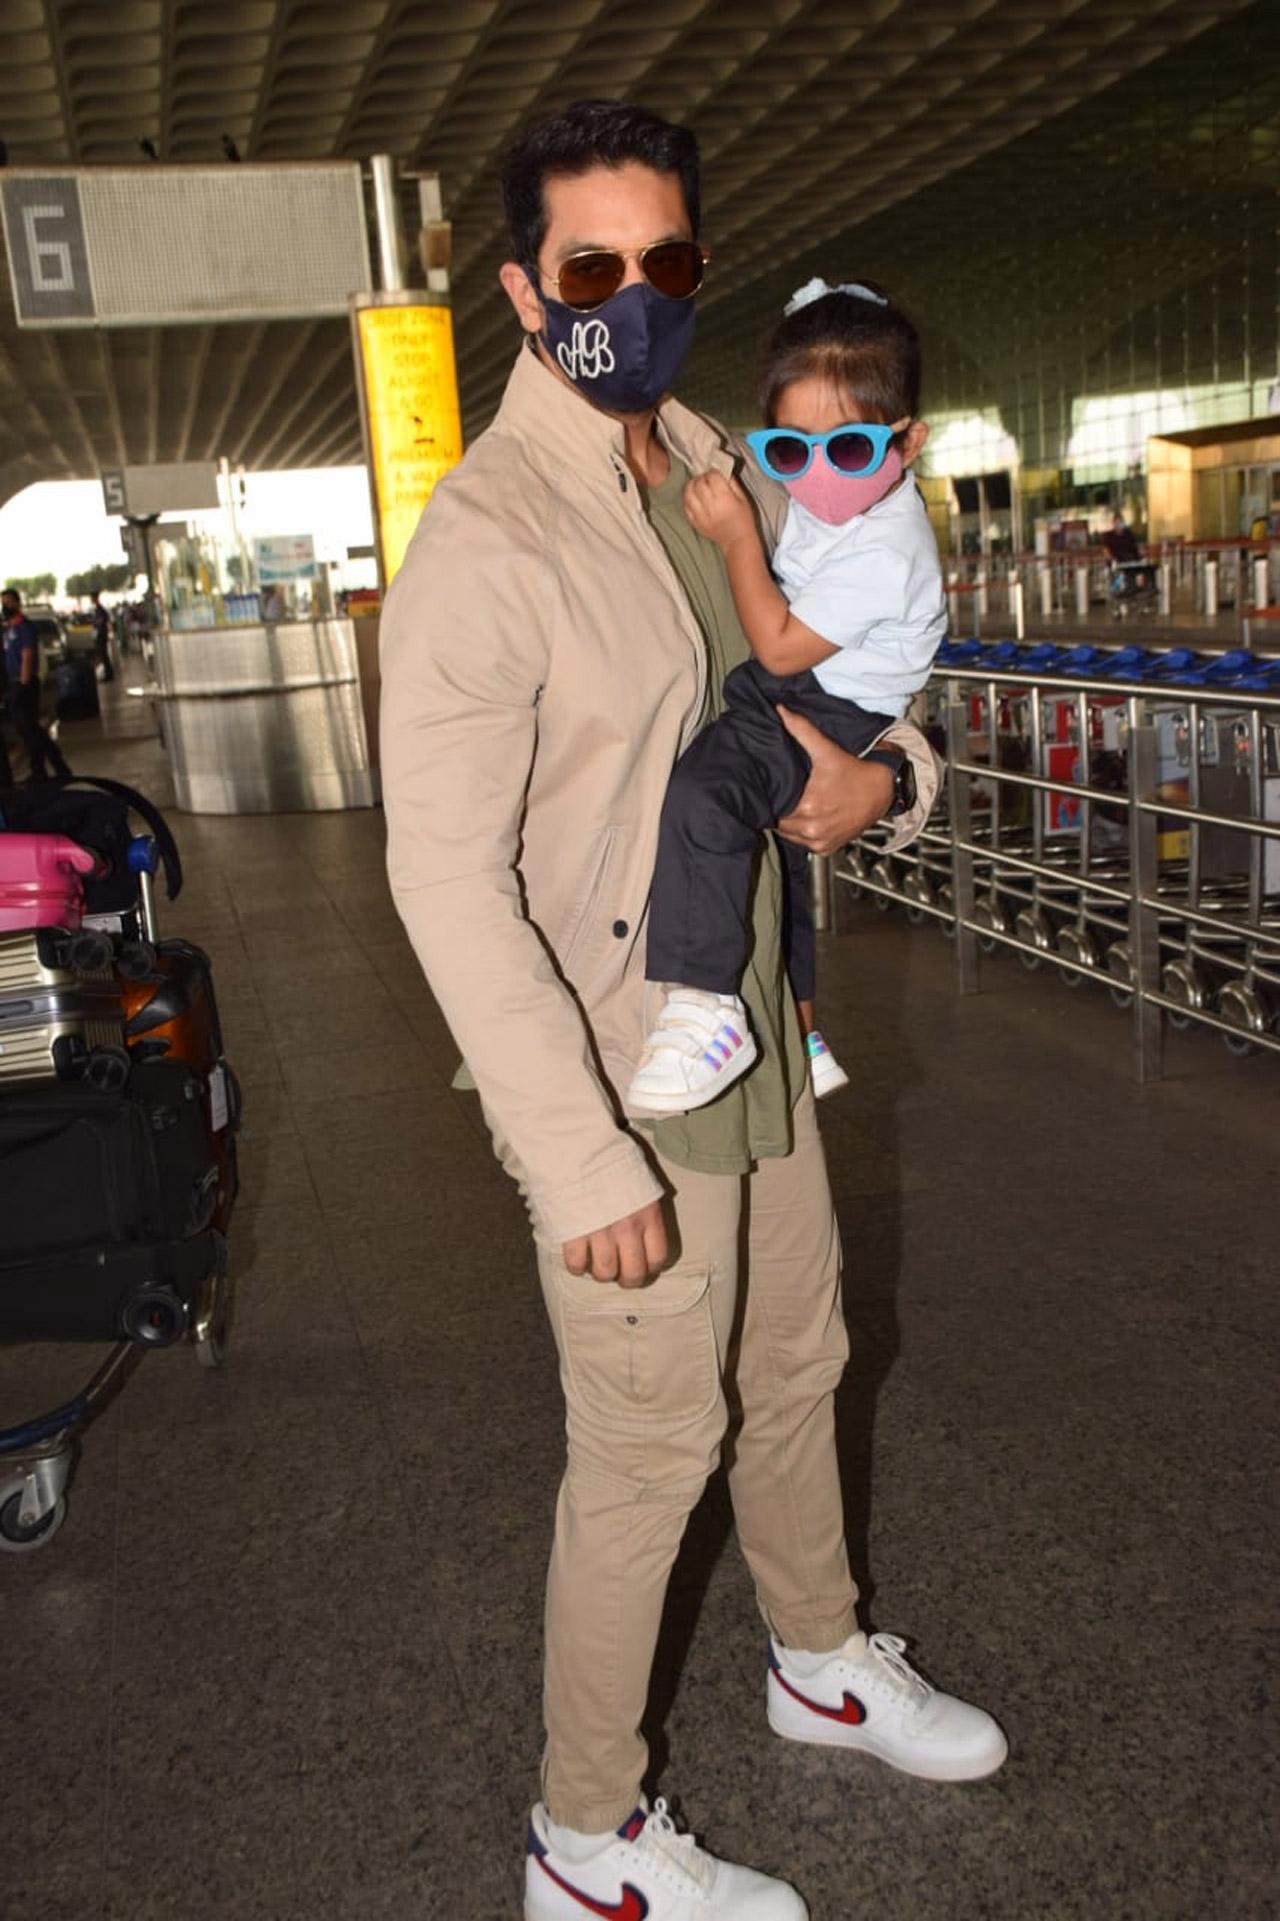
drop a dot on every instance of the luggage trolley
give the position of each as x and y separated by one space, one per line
1133 586
1039 742
37 1455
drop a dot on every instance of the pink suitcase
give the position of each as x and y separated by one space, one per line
40 881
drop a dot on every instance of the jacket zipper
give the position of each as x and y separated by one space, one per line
693 633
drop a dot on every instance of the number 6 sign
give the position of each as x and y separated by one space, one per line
44 238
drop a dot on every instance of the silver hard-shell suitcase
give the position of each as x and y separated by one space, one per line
57 1020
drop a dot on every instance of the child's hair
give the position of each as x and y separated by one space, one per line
868 350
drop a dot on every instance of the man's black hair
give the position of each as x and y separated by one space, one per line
590 133
868 351
11 593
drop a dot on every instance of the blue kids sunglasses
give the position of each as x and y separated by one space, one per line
855 450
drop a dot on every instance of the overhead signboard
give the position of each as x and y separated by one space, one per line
184 485
154 245
48 256
410 397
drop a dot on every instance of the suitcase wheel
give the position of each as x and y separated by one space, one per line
137 960
89 951
155 1317
107 1069
17 1537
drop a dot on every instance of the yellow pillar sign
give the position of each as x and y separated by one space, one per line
411 404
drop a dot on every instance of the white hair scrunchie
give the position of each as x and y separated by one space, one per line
816 288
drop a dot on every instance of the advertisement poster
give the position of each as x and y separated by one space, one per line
282 557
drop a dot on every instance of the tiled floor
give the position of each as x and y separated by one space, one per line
282 1662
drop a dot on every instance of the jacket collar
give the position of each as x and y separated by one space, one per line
564 430
568 431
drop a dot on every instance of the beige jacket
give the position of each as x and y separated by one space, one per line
541 672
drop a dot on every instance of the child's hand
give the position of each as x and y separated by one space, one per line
719 508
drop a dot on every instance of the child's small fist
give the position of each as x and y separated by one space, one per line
717 507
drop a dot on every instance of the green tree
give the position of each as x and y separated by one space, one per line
35 587
102 579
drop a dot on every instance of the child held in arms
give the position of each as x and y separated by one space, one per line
843 630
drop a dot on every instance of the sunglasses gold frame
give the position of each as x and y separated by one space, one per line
624 254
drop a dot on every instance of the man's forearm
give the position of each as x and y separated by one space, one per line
527 1043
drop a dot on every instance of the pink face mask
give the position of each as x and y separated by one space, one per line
836 497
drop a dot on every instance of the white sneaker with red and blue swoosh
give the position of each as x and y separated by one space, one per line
649 1871
868 1696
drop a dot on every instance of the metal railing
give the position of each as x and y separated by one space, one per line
1125 833
1201 578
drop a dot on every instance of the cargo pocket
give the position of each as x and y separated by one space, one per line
640 1357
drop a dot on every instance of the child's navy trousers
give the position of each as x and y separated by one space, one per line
740 775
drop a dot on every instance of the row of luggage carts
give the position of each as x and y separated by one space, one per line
1113 813
118 1118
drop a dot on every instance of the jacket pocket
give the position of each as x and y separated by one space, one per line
640 1357
589 928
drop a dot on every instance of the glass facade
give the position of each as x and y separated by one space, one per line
1110 276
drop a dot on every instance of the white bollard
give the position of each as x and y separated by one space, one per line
980 594
1018 595
1046 591
1211 588
1082 592
1261 584
1166 587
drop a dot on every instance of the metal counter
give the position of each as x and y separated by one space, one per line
265 719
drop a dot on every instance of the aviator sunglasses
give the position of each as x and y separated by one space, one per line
673 267
855 450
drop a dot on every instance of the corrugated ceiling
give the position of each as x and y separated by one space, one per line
815 116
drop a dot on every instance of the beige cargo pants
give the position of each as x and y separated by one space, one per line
644 1374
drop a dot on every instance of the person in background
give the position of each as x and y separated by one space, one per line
102 637
22 674
1121 542
273 604
6 765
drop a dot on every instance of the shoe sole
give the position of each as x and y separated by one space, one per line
535 1911
660 1104
956 1772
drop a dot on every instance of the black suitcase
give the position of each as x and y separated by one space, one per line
145 1292
75 688
122 1183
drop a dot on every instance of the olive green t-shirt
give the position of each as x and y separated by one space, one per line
751 1120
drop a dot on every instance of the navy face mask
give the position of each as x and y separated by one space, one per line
625 354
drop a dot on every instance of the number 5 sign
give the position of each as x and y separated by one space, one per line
44 238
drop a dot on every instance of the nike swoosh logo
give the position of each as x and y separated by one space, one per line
850 1713
632 1907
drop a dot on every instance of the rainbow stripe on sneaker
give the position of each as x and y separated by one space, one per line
727 1041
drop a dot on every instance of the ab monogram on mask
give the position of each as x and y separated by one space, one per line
625 356
587 353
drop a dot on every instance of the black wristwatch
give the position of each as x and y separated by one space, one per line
904 779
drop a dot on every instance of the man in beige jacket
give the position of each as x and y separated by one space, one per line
556 636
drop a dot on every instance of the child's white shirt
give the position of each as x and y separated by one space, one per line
873 588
